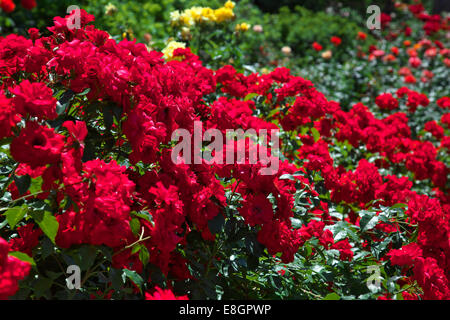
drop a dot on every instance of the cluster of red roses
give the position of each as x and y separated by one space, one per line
9 5
391 139
157 97
432 23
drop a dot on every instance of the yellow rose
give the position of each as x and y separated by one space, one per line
223 14
208 14
175 17
243 27
170 48
229 4
196 14
187 19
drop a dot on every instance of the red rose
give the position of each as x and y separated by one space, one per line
28 4
336 41
160 294
37 145
8 117
35 99
7 5
317 46
444 102
11 271
386 101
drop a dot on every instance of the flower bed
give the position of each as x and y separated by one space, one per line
88 179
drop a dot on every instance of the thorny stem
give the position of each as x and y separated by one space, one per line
141 239
40 192
234 191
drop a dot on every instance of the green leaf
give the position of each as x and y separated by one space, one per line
133 276
87 255
64 102
135 226
250 96
84 92
144 255
36 185
22 183
399 205
14 215
216 224
332 296
287 176
41 286
316 134
23 257
143 214
47 222
368 221
136 248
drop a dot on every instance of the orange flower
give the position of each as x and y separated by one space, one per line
361 35
417 46
406 43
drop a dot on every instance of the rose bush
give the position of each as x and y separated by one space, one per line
87 178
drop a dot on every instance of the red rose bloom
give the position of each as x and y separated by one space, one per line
336 41
7 5
257 210
344 248
316 46
386 101
37 145
28 4
161 294
11 271
406 255
8 117
436 130
444 102
35 99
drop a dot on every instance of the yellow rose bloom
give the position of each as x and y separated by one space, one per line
229 4
198 15
208 14
186 19
243 27
195 13
175 17
223 14
170 48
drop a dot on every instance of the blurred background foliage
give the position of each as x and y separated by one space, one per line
145 16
